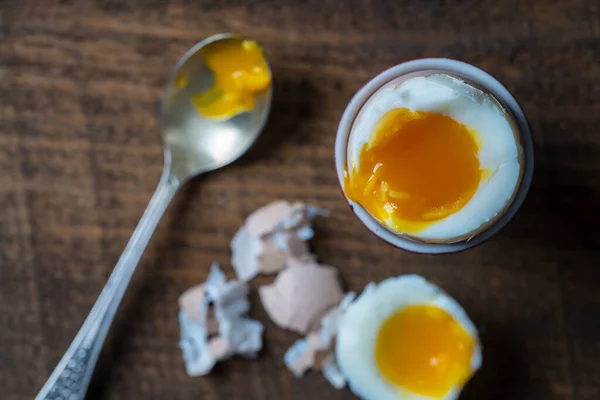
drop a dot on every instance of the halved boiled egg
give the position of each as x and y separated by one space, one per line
405 339
433 158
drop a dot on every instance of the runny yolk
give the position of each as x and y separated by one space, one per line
424 350
240 72
418 168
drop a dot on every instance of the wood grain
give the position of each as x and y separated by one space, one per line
80 156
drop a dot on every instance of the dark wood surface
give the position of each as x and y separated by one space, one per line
80 155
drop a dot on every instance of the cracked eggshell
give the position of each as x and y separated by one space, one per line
315 350
274 236
218 307
265 219
194 303
245 249
219 348
331 371
300 295
271 260
193 343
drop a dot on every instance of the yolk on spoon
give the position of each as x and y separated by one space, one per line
240 72
418 168
422 348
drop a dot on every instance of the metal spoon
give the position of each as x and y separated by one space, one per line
193 145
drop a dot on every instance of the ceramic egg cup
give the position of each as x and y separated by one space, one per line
474 76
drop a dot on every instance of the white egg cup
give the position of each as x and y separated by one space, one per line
472 75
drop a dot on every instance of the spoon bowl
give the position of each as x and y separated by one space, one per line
195 144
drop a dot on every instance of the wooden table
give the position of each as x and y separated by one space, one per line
80 155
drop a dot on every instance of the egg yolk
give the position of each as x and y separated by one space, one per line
423 349
240 72
418 168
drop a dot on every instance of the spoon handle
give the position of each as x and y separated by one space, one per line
72 375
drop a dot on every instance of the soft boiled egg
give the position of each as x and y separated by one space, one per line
433 158
405 339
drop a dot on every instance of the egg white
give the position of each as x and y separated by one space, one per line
499 148
360 324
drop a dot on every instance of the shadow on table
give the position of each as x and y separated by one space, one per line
561 209
294 101
560 222
559 212
504 373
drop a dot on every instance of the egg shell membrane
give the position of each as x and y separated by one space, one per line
516 135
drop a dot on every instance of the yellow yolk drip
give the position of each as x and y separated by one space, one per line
423 349
418 168
240 73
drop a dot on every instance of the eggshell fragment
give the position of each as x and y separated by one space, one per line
219 348
213 323
245 336
315 351
273 237
192 303
193 343
300 295
331 372
265 219
300 357
245 249
271 260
